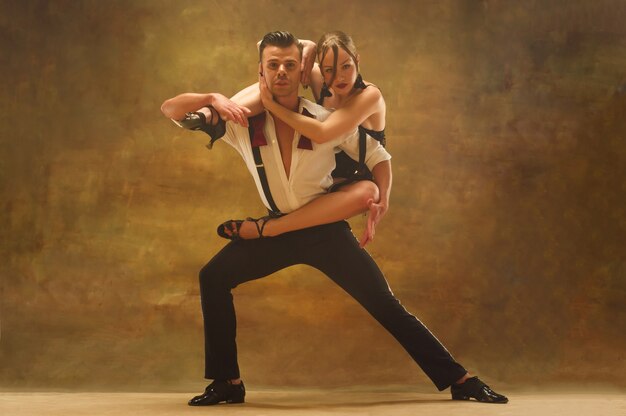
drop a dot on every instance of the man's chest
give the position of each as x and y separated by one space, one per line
285 136
294 159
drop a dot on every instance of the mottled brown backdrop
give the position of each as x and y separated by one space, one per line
507 229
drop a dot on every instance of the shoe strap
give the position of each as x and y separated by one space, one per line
237 228
265 220
260 228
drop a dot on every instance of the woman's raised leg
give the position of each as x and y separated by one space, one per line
346 202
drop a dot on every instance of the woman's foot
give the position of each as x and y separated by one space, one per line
253 228
248 229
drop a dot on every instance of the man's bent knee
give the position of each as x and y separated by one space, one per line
213 278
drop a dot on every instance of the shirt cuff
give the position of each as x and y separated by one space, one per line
373 158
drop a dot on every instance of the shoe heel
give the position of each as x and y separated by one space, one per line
238 397
459 397
235 400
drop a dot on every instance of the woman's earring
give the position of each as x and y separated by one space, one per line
358 83
325 91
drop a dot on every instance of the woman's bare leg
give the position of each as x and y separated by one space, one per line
346 202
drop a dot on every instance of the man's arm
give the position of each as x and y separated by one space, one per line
309 49
375 153
378 162
383 179
376 210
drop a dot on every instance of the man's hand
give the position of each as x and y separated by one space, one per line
375 214
229 110
308 59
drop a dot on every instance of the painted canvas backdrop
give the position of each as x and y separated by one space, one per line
507 228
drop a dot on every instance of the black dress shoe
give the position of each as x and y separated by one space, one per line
220 391
476 389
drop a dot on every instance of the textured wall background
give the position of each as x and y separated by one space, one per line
506 236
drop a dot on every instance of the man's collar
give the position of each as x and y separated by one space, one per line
305 142
308 105
257 128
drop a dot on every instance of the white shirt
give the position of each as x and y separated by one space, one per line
310 175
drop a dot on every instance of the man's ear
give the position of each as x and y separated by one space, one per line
260 68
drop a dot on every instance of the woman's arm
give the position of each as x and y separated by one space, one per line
377 210
316 81
176 107
246 103
342 121
250 97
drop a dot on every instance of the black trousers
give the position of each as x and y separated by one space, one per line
334 250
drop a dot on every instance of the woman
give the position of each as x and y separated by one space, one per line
336 84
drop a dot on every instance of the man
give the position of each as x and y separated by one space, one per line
293 172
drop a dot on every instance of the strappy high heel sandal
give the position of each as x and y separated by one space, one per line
234 231
228 225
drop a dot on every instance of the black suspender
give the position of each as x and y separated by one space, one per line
259 123
260 168
362 151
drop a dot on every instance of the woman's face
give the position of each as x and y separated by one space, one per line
346 71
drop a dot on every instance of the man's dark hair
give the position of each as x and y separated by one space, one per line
280 39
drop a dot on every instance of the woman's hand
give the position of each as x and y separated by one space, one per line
229 110
308 59
266 96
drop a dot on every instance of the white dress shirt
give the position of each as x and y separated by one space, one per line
310 173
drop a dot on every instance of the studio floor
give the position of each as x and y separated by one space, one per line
311 402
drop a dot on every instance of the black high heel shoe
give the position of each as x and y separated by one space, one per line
235 225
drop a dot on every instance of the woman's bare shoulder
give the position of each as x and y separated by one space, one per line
371 94
372 87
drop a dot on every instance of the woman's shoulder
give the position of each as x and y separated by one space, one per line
372 88
369 95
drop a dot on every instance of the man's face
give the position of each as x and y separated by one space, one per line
281 70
